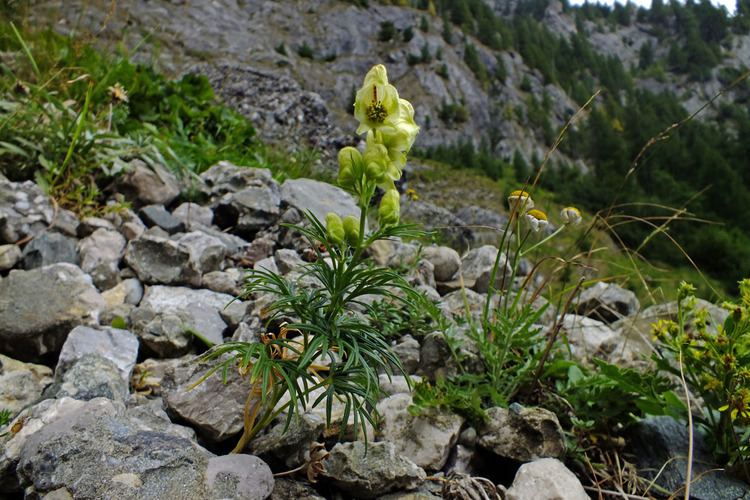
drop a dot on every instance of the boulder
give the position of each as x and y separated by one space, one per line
606 302
10 255
212 407
168 316
317 197
128 291
394 253
426 439
159 260
101 253
158 216
192 213
445 259
34 325
372 471
21 384
546 479
522 434
239 476
118 346
244 199
288 260
146 458
437 360
289 446
407 349
658 442
588 338
87 377
49 248
90 224
146 185
228 281
450 229
206 252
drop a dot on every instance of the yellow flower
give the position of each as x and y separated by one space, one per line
376 103
118 93
571 215
520 199
537 219
412 194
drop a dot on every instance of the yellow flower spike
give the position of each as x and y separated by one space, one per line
377 102
520 199
536 219
571 215
351 229
389 211
335 228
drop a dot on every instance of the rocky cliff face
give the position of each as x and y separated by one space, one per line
292 66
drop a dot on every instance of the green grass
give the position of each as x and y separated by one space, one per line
72 118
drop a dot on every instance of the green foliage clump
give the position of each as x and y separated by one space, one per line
387 31
305 51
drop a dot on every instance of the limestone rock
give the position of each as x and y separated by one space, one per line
426 439
212 407
146 459
21 384
101 253
166 316
10 255
292 446
239 476
607 302
149 185
47 249
546 479
522 434
87 377
372 472
317 197
159 260
158 216
445 259
33 324
192 213
118 346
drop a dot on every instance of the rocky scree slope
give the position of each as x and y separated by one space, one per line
101 321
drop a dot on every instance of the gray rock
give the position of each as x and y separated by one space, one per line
372 471
286 489
33 324
129 291
149 185
317 197
522 434
149 374
157 215
118 346
132 230
476 268
245 199
47 249
234 313
90 224
267 264
445 259
394 253
247 332
436 359
588 337
222 282
166 316
21 384
426 439
24 210
546 479
206 252
242 477
663 441
407 351
607 302
101 253
290 446
454 304
87 377
486 226
158 260
212 407
396 384
10 255
450 228
192 213
287 260
145 459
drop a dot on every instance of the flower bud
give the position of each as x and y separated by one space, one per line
334 228
376 161
570 215
351 229
389 211
349 158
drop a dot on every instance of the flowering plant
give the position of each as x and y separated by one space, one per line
331 353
